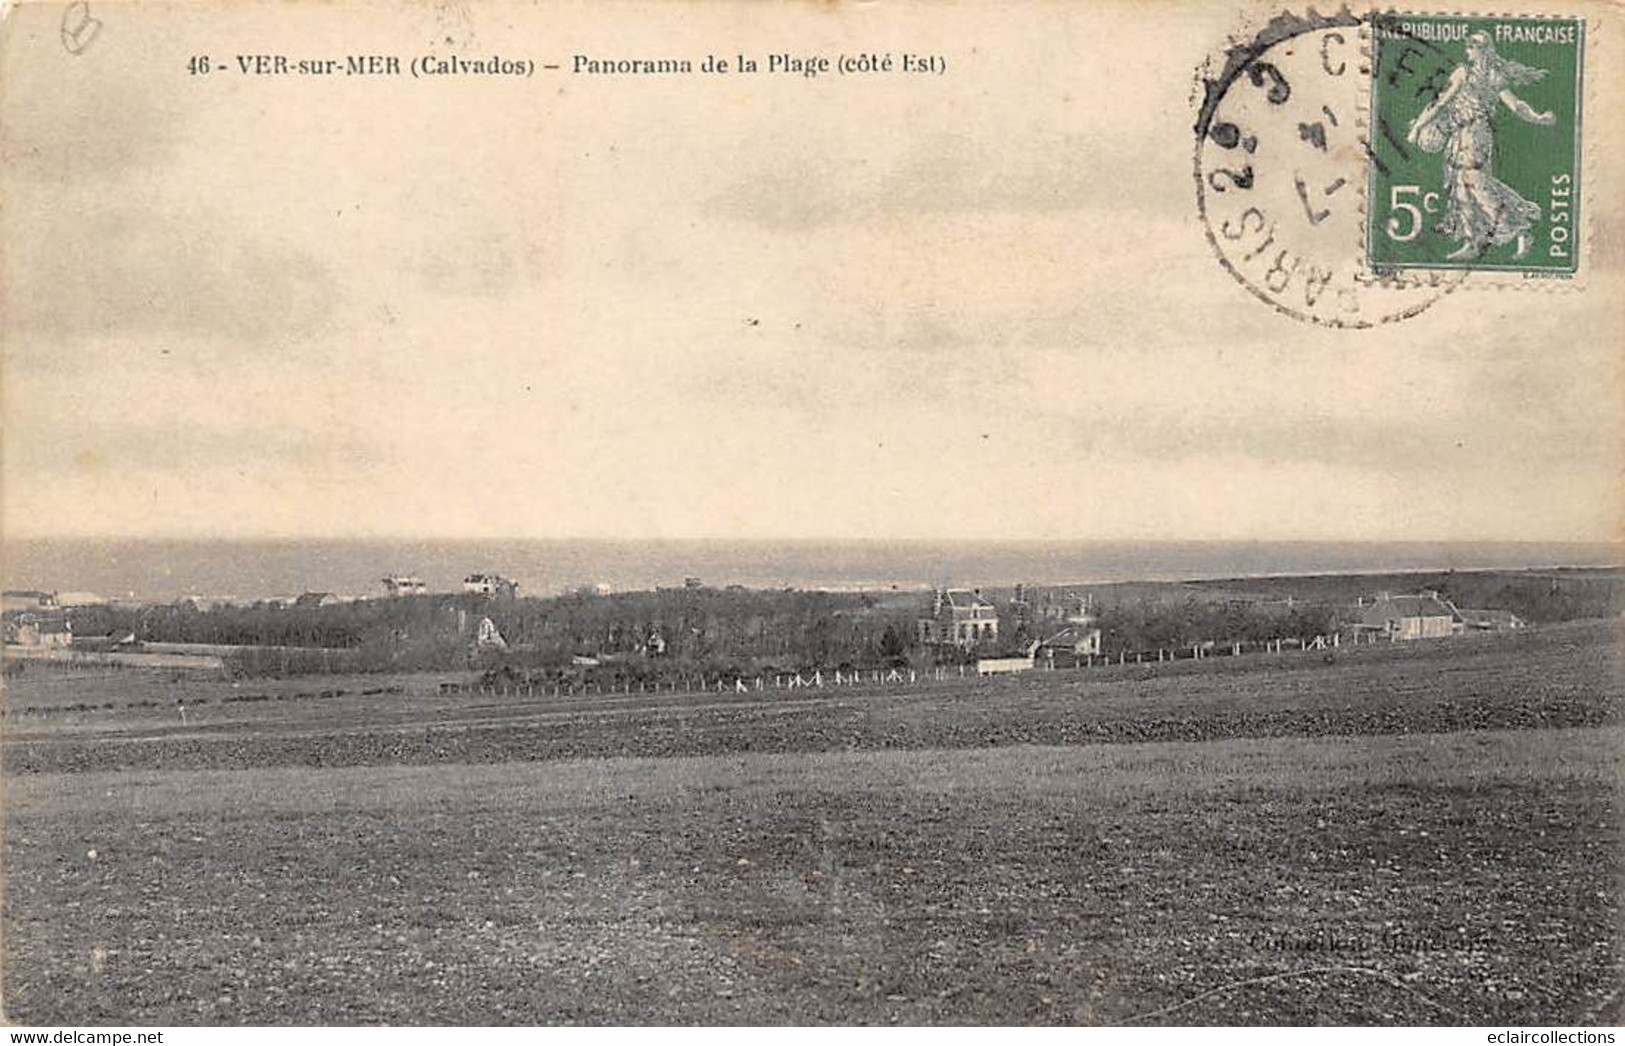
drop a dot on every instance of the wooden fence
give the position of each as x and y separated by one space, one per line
819 679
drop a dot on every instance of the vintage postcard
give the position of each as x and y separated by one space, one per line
703 512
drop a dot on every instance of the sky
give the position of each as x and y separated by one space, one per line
979 306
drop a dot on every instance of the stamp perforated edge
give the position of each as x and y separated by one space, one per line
1486 279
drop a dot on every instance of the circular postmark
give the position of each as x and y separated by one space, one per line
1281 165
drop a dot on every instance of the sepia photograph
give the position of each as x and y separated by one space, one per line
711 513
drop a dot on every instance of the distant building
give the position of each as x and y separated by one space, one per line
1421 616
959 617
488 638
693 582
312 600
494 585
1068 608
1024 606
27 599
1069 646
80 599
39 630
1487 620
993 666
201 603
1081 611
106 641
404 585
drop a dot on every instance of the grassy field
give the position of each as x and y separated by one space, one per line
1419 835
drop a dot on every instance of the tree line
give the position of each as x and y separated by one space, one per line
662 634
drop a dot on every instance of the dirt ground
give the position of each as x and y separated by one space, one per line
1428 835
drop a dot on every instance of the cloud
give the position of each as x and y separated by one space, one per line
122 269
67 123
950 174
867 350
1445 444
88 447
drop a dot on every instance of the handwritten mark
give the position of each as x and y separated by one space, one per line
79 27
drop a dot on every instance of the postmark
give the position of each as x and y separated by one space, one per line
1282 148
1475 163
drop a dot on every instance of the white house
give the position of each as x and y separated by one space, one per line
959 617
488 638
490 585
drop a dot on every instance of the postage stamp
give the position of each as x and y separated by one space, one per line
1475 146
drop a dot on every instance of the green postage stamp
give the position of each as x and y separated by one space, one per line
1475 143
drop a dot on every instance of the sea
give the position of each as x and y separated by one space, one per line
164 570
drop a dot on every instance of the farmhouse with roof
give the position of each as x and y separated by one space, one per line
1069 646
404 585
1420 616
959 617
494 585
39 630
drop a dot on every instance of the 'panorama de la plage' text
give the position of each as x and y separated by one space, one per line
438 66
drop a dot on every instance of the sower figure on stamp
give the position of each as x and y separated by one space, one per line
1483 212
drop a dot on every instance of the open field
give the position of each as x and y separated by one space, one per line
1418 835
1549 678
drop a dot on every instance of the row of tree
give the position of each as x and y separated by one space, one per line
651 636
